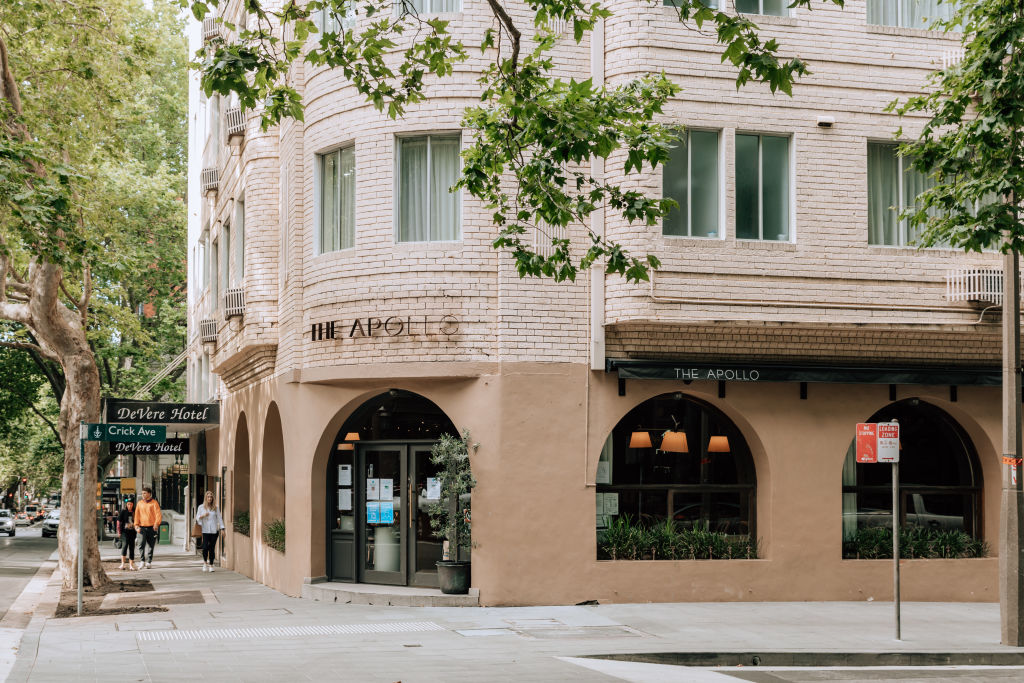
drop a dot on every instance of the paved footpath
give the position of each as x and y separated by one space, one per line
225 627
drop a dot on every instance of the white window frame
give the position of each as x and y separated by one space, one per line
400 6
760 10
901 21
791 163
318 203
720 180
397 210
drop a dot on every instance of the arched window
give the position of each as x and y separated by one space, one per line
675 457
940 476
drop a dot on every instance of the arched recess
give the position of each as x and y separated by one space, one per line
272 483
940 476
240 468
676 457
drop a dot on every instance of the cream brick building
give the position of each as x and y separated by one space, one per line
781 340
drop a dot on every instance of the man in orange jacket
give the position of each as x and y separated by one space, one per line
147 521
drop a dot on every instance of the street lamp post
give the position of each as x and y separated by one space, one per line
1011 523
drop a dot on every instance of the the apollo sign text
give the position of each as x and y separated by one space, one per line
730 374
391 326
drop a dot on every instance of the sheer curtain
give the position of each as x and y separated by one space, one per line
914 183
347 198
884 12
329 203
775 188
413 188
921 13
883 200
674 184
444 172
704 215
239 270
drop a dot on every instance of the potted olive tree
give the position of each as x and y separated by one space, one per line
450 515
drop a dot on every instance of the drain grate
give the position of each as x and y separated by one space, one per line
290 631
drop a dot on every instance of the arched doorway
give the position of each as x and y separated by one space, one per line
381 484
940 477
272 481
240 488
675 457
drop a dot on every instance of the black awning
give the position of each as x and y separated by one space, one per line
770 372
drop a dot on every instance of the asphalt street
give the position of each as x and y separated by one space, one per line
20 557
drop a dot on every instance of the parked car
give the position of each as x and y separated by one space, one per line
6 522
22 519
51 523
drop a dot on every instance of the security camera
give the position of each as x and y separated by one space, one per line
826 121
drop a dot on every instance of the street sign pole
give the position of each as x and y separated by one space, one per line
81 512
896 544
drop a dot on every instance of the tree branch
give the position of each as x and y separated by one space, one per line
42 416
37 348
513 32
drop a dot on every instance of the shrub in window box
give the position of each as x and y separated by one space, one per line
624 540
240 522
875 543
273 534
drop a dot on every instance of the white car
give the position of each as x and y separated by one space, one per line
51 523
6 522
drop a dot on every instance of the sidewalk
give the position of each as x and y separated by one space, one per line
225 627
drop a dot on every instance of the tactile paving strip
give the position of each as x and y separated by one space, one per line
290 631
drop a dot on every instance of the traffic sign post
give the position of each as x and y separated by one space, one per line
880 442
105 432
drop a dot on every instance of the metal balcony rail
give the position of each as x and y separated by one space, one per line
210 179
208 330
977 285
235 120
211 28
234 302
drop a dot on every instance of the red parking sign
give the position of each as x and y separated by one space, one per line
867 442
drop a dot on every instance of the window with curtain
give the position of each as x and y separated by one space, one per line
214 266
428 6
225 264
893 186
778 8
238 270
706 478
762 187
908 13
691 178
711 4
337 199
428 211
940 477
202 267
329 22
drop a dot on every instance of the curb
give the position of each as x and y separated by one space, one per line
1010 657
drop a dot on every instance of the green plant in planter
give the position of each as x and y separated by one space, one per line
450 515
240 522
273 534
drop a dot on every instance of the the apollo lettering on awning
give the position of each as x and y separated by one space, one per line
743 372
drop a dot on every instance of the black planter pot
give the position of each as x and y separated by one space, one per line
453 577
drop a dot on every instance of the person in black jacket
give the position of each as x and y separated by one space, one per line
126 527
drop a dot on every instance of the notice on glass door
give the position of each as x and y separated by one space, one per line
372 512
387 489
433 488
387 512
611 504
344 475
344 499
373 489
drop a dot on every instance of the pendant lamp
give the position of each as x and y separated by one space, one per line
640 440
718 444
675 442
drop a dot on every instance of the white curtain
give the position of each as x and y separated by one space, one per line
440 6
444 172
226 255
884 12
413 188
239 269
914 183
347 198
329 215
675 185
909 13
704 213
883 199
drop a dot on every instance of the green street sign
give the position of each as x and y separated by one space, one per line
124 432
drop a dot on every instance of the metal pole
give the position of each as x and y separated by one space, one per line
896 545
1011 532
81 513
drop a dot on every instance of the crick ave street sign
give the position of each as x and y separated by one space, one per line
124 432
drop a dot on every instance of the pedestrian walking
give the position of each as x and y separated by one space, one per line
126 527
147 521
212 523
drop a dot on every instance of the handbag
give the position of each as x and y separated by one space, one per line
197 530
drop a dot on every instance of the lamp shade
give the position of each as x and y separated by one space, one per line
675 442
640 440
718 444
346 447
352 436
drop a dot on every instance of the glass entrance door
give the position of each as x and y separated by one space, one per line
383 472
424 543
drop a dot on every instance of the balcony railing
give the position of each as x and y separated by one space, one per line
208 331
977 285
234 302
210 179
211 28
235 119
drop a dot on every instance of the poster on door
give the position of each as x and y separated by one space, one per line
387 489
373 489
372 512
344 475
387 512
433 488
344 499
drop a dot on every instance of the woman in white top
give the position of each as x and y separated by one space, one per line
212 523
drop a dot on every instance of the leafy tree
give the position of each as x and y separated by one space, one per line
534 134
91 210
